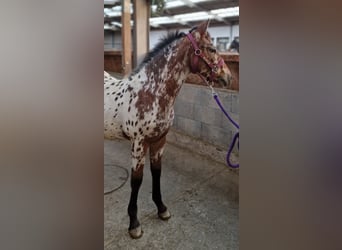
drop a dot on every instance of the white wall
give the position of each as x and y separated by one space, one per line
220 31
223 31
235 31
111 37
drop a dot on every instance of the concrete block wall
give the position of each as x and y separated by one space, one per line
198 115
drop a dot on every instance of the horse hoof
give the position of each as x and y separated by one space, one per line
165 215
136 233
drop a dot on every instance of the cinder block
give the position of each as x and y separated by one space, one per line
204 96
215 135
226 124
235 104
184 109
188 126
187 93
224 139
208 115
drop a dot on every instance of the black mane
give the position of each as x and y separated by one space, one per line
163 42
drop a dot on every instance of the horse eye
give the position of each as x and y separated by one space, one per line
212 50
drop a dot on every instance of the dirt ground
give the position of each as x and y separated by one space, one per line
202 197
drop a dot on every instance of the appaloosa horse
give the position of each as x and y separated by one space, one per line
140 107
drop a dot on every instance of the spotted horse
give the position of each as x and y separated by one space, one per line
141 107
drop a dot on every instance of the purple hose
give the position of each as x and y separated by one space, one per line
224 111
236 136
232 165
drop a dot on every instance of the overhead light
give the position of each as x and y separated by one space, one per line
193 16
116 11
109 27
169 4
174 4
226 12
113 13
117 24
111 2
162 20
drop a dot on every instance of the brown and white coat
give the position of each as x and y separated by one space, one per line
140 107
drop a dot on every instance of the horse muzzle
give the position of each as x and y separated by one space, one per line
225 80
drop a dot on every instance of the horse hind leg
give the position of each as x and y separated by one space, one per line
156 152
138 160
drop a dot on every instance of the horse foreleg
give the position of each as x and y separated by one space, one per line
156 152
138 161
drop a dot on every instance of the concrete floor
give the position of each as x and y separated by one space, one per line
202 197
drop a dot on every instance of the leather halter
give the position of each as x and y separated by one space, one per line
198 54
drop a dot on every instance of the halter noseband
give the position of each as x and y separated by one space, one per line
198 53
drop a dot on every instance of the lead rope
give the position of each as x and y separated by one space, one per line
236 135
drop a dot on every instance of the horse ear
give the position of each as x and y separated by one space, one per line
207 24
203 27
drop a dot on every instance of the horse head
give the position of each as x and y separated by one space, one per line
204 58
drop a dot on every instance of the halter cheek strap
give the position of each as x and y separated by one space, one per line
198 54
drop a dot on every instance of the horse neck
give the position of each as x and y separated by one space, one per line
168 71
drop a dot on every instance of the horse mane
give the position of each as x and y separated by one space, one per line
163 42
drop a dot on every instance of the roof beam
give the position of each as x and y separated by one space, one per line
141 30
126 37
